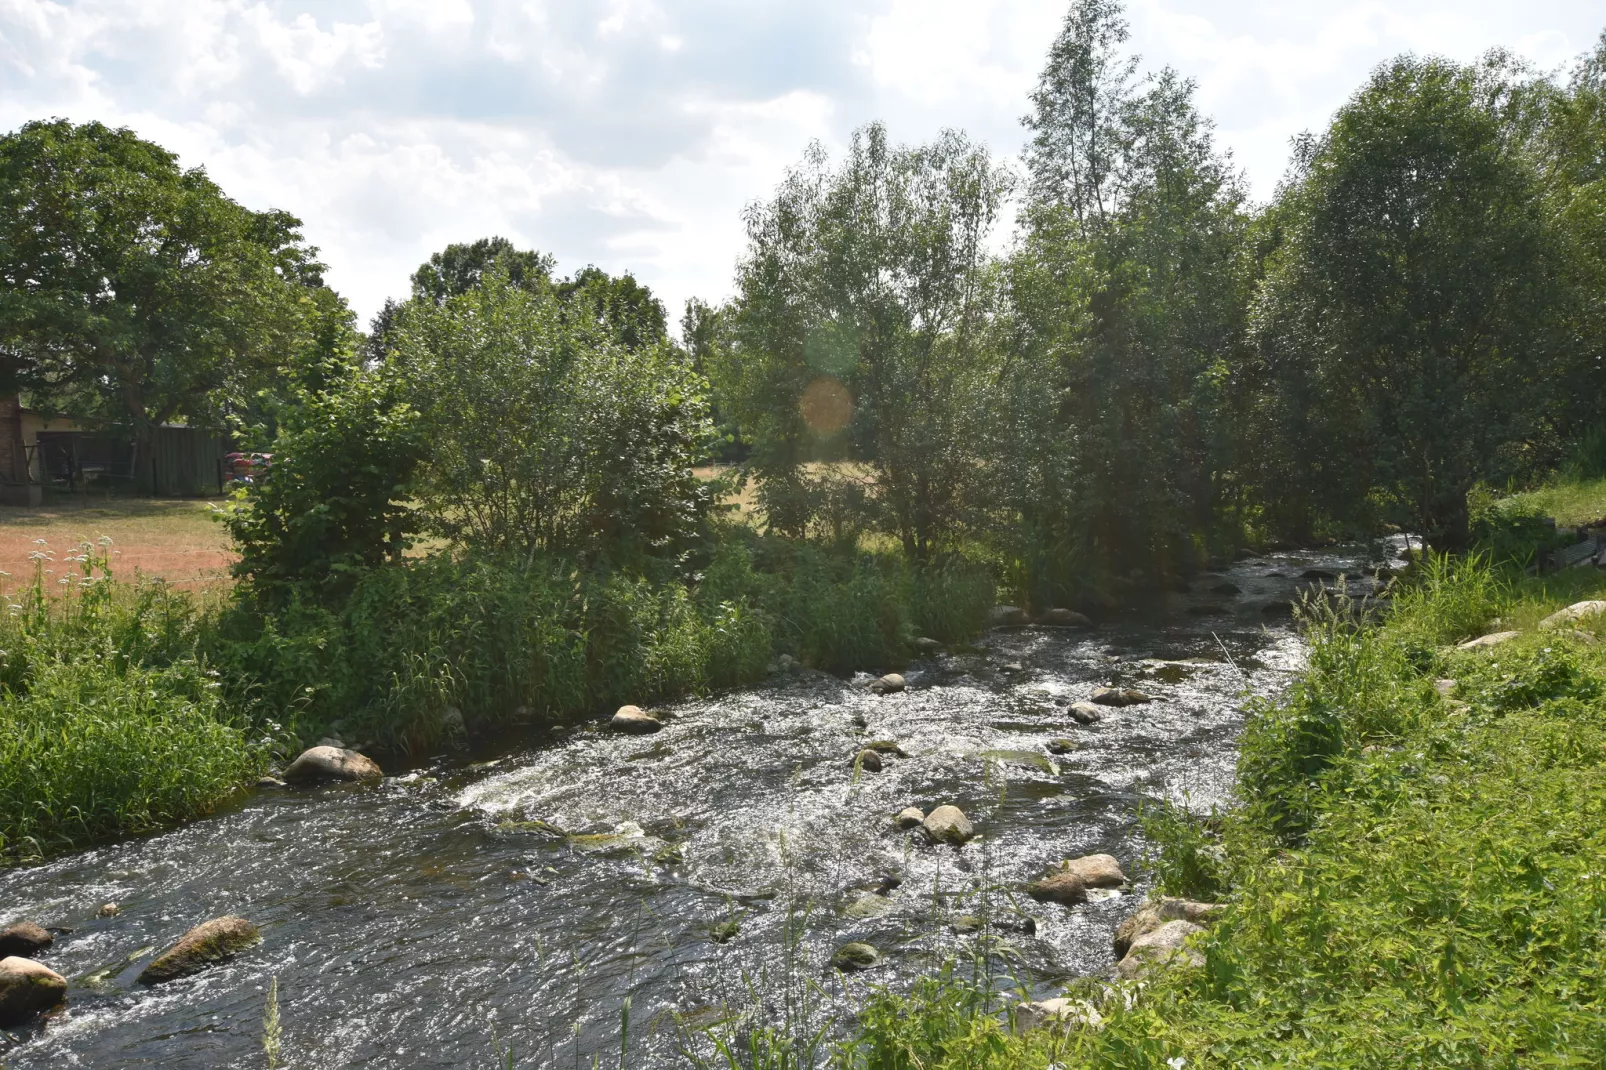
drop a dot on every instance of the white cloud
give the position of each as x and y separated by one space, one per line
630 133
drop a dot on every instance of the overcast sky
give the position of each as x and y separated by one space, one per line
630 133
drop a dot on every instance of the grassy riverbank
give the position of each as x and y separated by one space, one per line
1415 877
128 706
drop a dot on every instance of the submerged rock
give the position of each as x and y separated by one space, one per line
1057 1014
26 988
887 747
1578 611
1061 746
855 956
24 940
1065 618
948 824
108 910
868 905
331 763
1084 712
1062 886
1161 947
1483 641
927 645
634 721
909 817
889 684
1120 696
868 761
725 931
205 945
1157 912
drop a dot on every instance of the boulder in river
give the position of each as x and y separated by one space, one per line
889 684
1096 871
910 817
855 956
1056 1014
1004 616
1120 696
1061 886
24 940
331 763
634 721
1157 912
1162 946
26 988
948 824
867 761
1061 746
205 945
1578 611
1065 618
1485 641
886 747
1084 712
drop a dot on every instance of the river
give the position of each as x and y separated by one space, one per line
524 895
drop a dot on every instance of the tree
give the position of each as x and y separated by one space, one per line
621 306
459 268
132 291
860 327
1421 290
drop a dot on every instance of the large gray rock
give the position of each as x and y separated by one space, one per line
1096 871
634 721
26 988
1084 713
24 940
205 945
948 824
1065 618
1492 639
855 956
1578 611
1162 947
331 763
910 817
1062 886
1157 912
889 684
1119 696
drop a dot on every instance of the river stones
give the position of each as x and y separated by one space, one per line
889 684
1065 618
1484 641
635 721
24 940
910 817
725 931
927 645
1096 871
108 910
1061 746
855 956
886 747
948 824
26 988
1062 887
1578 611
331 763
1084 713
1119 696
1157 912
205 945
1006 616
1161 947
867 761
1056 1014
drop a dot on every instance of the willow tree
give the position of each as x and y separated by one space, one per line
861 331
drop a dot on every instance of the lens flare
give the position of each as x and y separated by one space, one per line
827 406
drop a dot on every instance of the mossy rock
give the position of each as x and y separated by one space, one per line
26 988
205 945
855 956
725 931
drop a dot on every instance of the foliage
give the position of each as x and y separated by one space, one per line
133 292
109 724
543 434
860 331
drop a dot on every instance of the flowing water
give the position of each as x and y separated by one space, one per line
526 897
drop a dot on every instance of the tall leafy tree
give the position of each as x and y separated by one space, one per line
861 330
1420 293
133 292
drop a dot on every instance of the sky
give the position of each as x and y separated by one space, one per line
630 134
